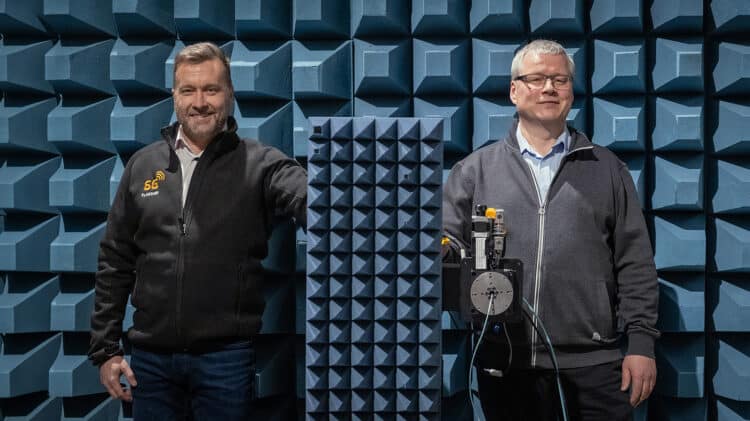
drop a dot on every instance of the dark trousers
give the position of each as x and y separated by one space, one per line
591 394
209 386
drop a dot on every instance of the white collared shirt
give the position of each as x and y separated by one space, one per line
188 161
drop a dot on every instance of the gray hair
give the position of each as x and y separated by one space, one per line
537 47
200 52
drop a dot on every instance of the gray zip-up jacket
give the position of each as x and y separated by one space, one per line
588 264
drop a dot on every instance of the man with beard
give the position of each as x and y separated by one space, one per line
573 218
185 237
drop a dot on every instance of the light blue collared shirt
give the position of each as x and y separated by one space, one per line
543 167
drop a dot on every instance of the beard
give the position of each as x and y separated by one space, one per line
203 127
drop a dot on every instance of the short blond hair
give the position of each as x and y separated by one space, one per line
537 47
200 52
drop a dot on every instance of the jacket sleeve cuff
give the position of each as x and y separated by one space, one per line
641 344
99 357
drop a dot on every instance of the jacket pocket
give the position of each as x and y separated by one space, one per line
579 313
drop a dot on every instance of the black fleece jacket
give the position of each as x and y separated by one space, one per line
193 274
588 266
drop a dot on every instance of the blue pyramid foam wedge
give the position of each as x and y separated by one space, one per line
679 66
375 17
685 16
25 361
22 68
492 120
620 124
382 69
675 409
556 17
455 120
136 123
636 168
619 67
80 186
678 125
114 179
491 66
382 107
441 67
261 70
76 126
490 17
270 126
732 379
732 308
75 248
24 127
22 184
682 304
139 18
321 70
73 375
578 115
325 19
85 18
203 19
438 17
22 18
78 68
732 410
680 361
678 183
25 302
302 127
732 178
616 18
71 311
22 241
730 73
263 19
577 50
730 15
732 246
680 243
136 68
731 135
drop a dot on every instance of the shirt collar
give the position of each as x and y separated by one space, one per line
561 143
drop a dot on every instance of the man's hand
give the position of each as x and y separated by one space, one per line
638 373
109 375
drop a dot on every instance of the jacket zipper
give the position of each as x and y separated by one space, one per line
542 211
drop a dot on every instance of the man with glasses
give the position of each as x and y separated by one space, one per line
573 218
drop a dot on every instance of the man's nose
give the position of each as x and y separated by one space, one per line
548 87
199 100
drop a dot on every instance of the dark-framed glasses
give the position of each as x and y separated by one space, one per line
538 80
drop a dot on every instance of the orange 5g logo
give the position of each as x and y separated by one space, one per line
153 184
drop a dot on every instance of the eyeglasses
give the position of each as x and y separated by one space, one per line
538 80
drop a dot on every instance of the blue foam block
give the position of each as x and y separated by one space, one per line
270 126
492 120
325 19
678 125
731 134
24 127
24 244
730 15
731 179
490 17
114 179
556 17
22 68
731 410
685 16
382 68
261 70
620 124
680 360
616 17
636 166
302 128
25 362
136 67
322 70
81 126
680 243
441 67
676 409
730 74
382 107
22 184
25 302
682 304
678 183
439 17
732 307
732 379
73 375
619 67
732 246
35 407
136 123
79 186
376 17
203 19
71 311
491 66
455 116
22 17
455 365
678 67
139 18
263 19
76 247
78 68
85 18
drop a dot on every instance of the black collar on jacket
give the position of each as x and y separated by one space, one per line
222 143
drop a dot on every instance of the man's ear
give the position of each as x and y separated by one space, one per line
513 92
